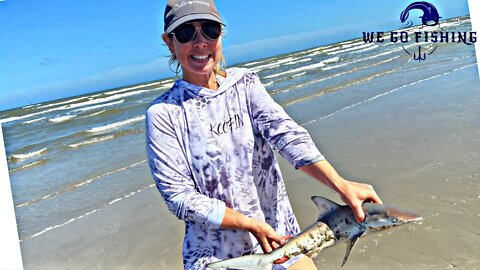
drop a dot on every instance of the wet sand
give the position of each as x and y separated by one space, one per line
418 146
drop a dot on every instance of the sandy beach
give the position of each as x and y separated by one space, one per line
417 145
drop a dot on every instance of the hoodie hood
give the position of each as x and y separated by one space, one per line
233 76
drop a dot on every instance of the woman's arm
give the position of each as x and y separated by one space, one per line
352 193
295 144
172 175
265 234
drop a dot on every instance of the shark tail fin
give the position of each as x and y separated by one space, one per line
252 262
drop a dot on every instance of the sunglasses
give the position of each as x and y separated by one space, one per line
186 32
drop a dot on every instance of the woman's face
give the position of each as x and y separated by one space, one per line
198 56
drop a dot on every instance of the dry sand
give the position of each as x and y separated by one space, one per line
419 147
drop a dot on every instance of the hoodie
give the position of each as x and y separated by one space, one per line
212 149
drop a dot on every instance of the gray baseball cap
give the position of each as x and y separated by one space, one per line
181 11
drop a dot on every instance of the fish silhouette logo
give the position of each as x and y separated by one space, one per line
430 15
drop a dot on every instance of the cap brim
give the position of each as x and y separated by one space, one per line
192 17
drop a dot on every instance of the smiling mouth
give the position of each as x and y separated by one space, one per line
200 57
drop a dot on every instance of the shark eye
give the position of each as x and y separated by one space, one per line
394 220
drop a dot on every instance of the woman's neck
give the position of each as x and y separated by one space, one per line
207 81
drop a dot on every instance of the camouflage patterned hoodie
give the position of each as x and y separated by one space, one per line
209 150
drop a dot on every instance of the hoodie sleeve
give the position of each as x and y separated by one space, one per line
291 140
172 176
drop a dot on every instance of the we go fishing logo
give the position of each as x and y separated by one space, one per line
431 21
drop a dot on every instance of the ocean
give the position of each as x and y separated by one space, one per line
74 157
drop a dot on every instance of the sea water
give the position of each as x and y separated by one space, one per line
74 157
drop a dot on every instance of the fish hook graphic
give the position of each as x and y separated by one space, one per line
419 58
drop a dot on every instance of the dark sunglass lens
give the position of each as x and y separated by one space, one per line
212 30
184 33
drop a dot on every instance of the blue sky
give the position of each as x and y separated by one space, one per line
55 49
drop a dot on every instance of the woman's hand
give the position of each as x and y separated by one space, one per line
266 236
354 194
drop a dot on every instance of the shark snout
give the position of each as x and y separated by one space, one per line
381 217
403 216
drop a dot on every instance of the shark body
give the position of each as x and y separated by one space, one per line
335 224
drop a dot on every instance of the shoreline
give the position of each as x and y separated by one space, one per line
417 146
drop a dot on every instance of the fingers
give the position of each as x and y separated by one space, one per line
267 237
375 198
358 211
283 259
355 194
265 245
275 241
371 195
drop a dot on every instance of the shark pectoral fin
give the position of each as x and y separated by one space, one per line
350 245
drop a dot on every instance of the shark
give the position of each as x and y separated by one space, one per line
335 224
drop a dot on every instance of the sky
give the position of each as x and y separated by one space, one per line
52 49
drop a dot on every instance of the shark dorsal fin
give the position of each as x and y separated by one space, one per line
324 205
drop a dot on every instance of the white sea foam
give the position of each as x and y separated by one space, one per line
131 88
315 53
116 125
254 63
94 107
30 106
93 114
275 64
309 67
28 155
268 84
29 165
336 74
367 49
88 181
351 49
61 119
116 200
34 120
386 93
299 74
91 141
345 46
77 105
334 67
366 58
165 85
298 61
62 102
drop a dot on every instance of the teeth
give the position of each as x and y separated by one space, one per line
200 57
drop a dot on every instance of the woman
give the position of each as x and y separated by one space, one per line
209 145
